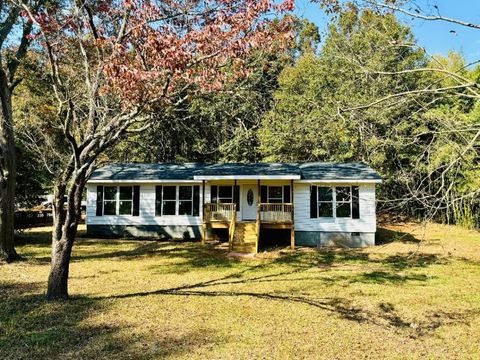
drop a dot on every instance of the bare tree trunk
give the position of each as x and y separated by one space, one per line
7 173
58 278
65 224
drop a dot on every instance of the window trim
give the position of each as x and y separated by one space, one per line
177 200
190 200
116 200
129 200
170 200
334 203
344 202
334 212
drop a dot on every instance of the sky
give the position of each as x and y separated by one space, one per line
435 36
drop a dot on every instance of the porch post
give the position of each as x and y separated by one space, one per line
258 195
292 230
203 200
234 190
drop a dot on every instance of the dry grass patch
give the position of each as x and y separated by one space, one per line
417 295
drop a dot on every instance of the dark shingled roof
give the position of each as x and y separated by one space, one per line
187 171
158 171
337 171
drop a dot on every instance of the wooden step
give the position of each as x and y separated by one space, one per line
250 243
246 248
244 243
245 237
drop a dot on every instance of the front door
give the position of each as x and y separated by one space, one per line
249 202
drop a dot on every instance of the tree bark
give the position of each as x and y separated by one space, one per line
7 173
58 278
65 224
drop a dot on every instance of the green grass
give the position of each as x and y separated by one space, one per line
415 296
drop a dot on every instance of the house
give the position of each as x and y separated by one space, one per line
320 204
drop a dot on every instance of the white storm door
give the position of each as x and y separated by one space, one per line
249 202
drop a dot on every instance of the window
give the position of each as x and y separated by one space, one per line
275 194
169 200
126 200
325 201
336 202
118 200
185 204
110 200
225 194
344 201
177 200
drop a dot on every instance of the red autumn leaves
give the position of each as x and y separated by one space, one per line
150 50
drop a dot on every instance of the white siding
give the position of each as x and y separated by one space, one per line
303 222
147 210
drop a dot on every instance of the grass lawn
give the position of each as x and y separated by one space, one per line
415 296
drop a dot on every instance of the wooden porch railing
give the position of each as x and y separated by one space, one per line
222 212
276 212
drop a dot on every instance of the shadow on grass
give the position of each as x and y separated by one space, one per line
193 254
381 277
31 328
34 328
329 258
384 316
33 237
189 254
386 236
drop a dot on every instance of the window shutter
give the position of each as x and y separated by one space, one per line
158 200
136 201
313 202
196 200
99 200
286 194
355 203
236 196
213 195
263 194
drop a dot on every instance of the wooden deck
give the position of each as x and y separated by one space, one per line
269 216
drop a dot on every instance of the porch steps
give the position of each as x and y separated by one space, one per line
245 237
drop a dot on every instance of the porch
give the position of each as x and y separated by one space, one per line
244 235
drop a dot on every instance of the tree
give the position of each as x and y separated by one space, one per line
12 53
113 64
311 121
450 165
218 126
436 189
33 105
